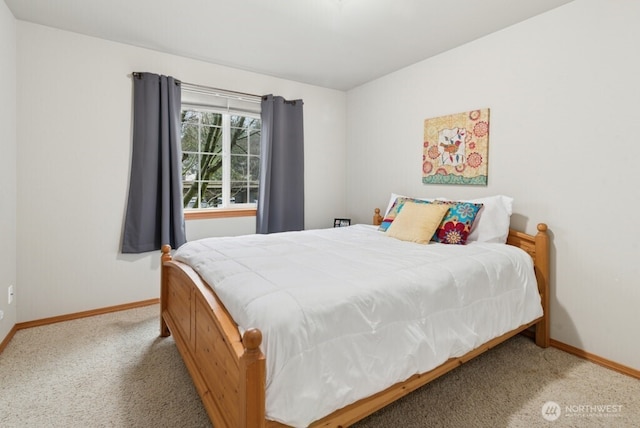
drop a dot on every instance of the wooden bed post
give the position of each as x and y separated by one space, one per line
377 218
252 389
166 257
542 275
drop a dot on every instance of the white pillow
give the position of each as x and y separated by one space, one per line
395 196
493 220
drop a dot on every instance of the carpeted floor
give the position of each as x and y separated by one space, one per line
114 371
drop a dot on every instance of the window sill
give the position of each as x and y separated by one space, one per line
219 213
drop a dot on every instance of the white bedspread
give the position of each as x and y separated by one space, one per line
347 312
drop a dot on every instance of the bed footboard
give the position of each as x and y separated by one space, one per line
228 370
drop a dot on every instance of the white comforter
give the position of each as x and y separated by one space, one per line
347 312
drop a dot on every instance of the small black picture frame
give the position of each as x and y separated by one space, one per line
341 222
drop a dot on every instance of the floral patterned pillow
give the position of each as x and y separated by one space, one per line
456 225
395 208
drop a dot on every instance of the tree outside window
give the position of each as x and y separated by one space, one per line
220 159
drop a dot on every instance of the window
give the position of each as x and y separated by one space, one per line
220 158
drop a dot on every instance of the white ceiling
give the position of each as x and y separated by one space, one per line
336 44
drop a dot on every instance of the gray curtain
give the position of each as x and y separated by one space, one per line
281 193
154 214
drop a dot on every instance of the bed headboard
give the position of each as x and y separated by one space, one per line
377 218
537 246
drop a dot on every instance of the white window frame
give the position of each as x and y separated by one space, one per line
224 101
247 208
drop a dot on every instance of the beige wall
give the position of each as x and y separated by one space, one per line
74 143
563 90
8 147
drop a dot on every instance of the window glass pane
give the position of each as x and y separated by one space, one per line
209 118
254 125
211 167
239 169
239 121
191 116
238 141
239 192
191 202
211 139
254 142
190 194
253 194
189 167
189 136
211 194
254 168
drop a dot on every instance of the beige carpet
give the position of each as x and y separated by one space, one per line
114 371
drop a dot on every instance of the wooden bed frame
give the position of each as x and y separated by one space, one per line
228 369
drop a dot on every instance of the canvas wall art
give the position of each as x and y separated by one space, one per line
456 148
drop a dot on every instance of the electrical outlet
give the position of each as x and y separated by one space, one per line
1 314
10 294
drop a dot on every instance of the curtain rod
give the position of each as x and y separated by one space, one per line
192 87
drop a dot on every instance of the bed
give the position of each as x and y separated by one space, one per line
225 356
